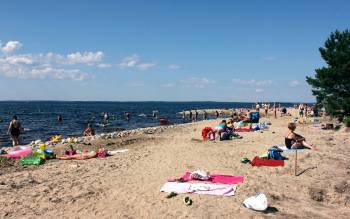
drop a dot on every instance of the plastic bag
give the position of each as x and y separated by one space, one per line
200 175
257 202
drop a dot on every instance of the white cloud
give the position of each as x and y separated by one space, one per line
10 46
145 66
133 61
104 65
294 83
174 67
259 90
253 82
168 85
129 61
197 82
23 71
85 58
18 59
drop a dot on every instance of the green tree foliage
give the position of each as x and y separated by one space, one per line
331 84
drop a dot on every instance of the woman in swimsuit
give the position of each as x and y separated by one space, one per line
295 141
14 130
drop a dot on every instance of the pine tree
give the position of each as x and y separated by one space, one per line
331 84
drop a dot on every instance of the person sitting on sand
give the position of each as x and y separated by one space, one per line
221 127
295 141
89 131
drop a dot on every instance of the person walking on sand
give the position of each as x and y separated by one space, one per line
275 110
257 107
266 107
196 115
14 130
216 114
205 115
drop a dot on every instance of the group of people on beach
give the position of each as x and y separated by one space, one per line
292 140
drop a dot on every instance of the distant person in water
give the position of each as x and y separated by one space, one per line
183 114
191 115
155 113
196 115
127 116
59 118
14 130
89 131
105 118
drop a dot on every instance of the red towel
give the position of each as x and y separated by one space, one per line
217 178
243 130
258 162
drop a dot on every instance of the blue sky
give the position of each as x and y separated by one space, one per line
164 50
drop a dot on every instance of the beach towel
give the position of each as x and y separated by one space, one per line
199 188
217 178
286 150
259 162
243 130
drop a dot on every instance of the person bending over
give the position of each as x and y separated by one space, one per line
295 141
89 131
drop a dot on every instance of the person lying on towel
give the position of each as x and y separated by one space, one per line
294 140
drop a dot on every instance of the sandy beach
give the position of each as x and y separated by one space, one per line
127 185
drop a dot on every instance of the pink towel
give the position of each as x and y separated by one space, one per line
199 188
217 178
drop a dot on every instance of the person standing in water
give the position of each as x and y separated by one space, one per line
191 115
127 116
59 118
14 130
105 118
275 110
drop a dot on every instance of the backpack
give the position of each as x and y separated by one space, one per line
275 153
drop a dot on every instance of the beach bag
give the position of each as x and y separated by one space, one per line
32 159
257 202
199 175
275 153
254 117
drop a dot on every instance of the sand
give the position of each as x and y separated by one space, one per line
127 185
